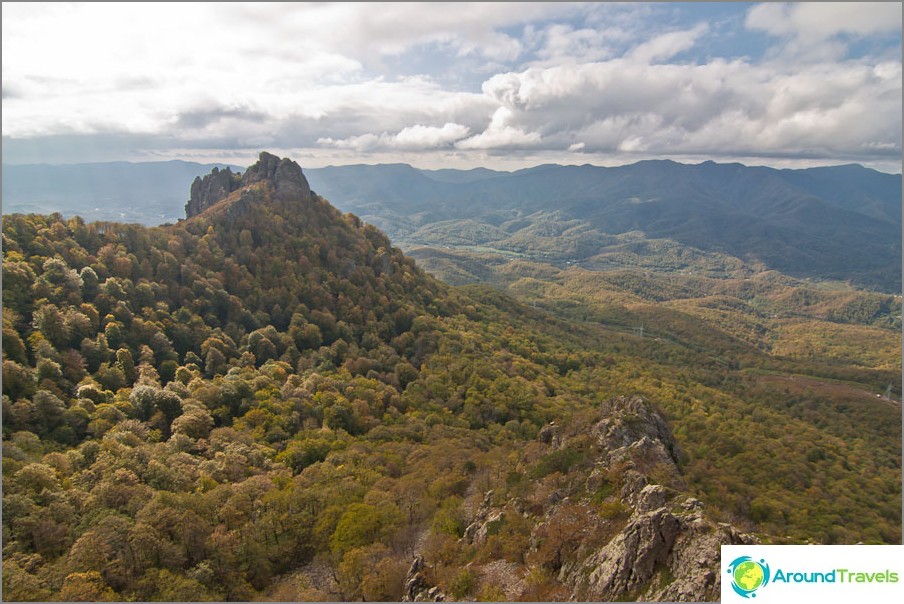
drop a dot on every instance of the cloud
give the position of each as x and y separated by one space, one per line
561 42
822 32
721 107
210 115
822 20
501 134
667 45
371 31
392 80
416 137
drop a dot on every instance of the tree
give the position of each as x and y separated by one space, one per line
87 587
362 524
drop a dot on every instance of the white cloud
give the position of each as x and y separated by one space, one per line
814 21
716 108
416 137
560 42
501 134
667 45
319 78
817 32
427 137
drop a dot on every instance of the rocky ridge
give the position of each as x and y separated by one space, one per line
660 546
285 177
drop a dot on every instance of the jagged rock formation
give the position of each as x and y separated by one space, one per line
638 440
662 548
668 550
209 190
417 588
476 532
284 176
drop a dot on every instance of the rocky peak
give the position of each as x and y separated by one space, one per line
284 176
209 190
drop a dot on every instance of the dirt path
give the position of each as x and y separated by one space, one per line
833 389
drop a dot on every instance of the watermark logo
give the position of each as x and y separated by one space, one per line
748 575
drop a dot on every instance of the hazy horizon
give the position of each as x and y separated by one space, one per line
722 161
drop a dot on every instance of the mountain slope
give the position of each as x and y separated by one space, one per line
839 223
269 401
831 223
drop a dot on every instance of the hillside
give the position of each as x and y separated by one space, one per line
839 223
268 401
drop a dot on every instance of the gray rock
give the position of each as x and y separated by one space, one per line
207 191
669 549
286 180
477 531
628 419
652 497
658 543
417 589
284 175
549 434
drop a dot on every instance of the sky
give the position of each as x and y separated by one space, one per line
458 85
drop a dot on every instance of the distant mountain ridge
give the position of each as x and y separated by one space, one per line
149 193
838 222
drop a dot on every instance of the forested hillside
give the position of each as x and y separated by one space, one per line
268 401
839 222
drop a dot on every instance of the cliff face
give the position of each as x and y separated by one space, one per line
210 189
284 175
286 180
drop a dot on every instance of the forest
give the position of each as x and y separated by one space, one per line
268 401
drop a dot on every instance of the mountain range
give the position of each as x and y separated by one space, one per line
267 400
148 193
839 223
830 223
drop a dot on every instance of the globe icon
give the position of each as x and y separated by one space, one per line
748 575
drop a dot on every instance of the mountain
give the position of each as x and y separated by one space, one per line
148 193
833 223
267 400
840 223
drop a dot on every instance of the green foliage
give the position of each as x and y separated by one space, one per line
449 518
558 461
199 410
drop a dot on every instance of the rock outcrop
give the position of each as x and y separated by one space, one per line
659 544
417 588
284 176
209 190
668 550
477 532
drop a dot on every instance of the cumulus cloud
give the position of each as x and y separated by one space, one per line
502 133
820 20
586 79
718 108
415 137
